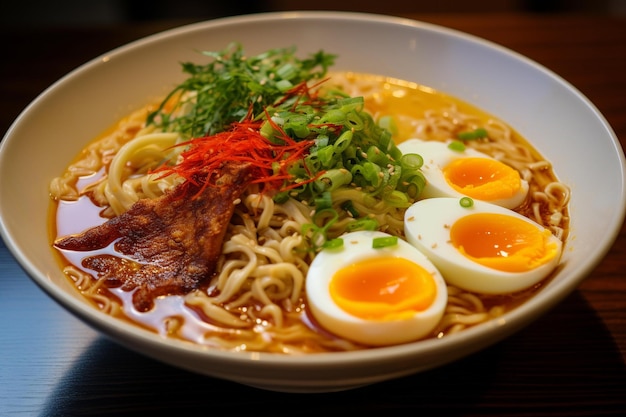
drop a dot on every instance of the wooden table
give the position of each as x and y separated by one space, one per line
570 362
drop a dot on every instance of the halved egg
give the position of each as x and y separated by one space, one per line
482 247
467 172
375 295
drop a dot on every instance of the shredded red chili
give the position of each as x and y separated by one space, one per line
242 143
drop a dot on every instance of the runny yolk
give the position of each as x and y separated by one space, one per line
502 242
482 178
383 288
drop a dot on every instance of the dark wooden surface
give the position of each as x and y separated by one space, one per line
571 362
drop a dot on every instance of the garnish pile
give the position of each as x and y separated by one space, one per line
304 140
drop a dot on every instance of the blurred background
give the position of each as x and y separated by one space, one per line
104 12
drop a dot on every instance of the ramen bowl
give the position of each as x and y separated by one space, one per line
556 118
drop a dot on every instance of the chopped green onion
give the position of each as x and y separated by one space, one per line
333 243
395 174
343 141
267 130
473 134
456 146
369 171
323 201
392 150
350 103
321 141
375 155
411 161
466 202
333 179
313 163
364 223
414 185
354 121
384 242
297 123
326 155
389 123
281 197
334 116
396 199
317 234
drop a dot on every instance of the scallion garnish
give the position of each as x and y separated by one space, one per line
323 201
333 243
456 146
389 123
364 223
466 202
384 242
473 134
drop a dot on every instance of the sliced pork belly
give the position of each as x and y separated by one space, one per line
166 245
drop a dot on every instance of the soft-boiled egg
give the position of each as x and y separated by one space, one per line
482 247
375 295
452 172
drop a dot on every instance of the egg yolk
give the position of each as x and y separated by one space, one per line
482 178
383 288
502 242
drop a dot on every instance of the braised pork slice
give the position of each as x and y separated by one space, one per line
167 245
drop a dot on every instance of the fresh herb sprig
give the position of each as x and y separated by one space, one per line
216 94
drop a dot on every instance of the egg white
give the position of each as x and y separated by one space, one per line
436 156
427 226
358 246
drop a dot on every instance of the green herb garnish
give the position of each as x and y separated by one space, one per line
384 242
223 91
333 244
466 202
456 146
473 134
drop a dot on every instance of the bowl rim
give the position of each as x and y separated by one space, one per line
511 321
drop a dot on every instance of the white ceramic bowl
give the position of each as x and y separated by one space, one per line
557 119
